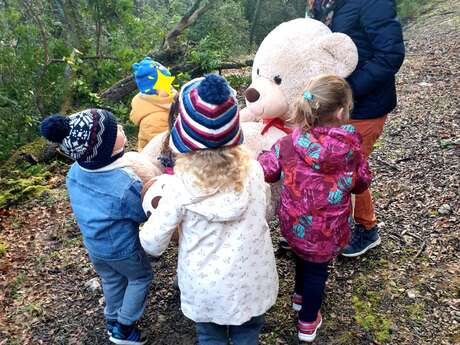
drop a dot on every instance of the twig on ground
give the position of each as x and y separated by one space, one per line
422 248
391 166
397 238
405 232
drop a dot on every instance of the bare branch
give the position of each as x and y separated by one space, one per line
187 20
85 58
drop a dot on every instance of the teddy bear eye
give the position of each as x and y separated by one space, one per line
277 79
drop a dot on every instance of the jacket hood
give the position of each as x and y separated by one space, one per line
215 206
143 105
328 149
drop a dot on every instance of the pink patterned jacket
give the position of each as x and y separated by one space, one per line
318 169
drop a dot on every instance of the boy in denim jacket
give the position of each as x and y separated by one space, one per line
105 198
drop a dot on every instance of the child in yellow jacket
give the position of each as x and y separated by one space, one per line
150 107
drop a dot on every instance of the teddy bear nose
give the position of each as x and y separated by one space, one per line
252 94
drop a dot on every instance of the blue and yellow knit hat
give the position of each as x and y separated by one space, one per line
151 76
87 136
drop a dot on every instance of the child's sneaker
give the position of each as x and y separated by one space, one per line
127 335
296 302
307 330
109 326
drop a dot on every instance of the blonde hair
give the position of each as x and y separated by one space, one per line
223 168
322 97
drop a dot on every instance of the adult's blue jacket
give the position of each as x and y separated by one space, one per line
376 31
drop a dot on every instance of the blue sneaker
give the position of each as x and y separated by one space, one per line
361 241
109 326
127 335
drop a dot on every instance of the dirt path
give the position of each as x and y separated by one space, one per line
404 292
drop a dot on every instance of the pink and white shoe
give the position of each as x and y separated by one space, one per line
296 302
307 330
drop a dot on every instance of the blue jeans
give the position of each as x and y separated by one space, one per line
246 334
126 285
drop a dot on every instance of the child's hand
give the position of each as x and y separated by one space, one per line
146 187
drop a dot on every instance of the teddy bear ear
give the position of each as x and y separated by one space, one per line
342 50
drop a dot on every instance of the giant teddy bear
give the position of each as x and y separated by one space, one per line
290 54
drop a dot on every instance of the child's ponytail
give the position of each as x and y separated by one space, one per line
166 157
322 97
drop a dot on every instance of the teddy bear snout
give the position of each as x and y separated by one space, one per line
252 95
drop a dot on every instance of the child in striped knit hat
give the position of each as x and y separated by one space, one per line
226 266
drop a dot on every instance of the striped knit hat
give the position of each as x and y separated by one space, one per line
208 116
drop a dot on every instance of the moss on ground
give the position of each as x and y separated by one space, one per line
369 318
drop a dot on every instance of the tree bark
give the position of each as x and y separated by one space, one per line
255 19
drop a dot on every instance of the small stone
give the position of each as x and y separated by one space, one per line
93 285
424 84
411 294
445 210
381 225
161 318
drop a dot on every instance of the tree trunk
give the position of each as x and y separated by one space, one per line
255 19
75 27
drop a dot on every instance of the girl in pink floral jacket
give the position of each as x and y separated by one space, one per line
320 164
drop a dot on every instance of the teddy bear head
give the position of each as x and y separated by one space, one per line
288 56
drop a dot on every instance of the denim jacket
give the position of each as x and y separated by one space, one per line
107 206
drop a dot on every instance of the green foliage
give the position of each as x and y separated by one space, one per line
238 81
216 38
409 9
272 13
58 56
3 249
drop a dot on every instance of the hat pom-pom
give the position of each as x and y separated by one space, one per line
214 89
55 128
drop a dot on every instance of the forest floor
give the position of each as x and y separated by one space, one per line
407 291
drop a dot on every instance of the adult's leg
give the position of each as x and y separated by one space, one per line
209 333
314 282
248 332
113 286
370 130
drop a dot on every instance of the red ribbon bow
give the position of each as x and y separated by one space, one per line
276 122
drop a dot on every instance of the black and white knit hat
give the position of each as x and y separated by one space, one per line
87 136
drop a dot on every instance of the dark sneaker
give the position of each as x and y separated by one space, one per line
127 335
109 326
307 330
361 241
